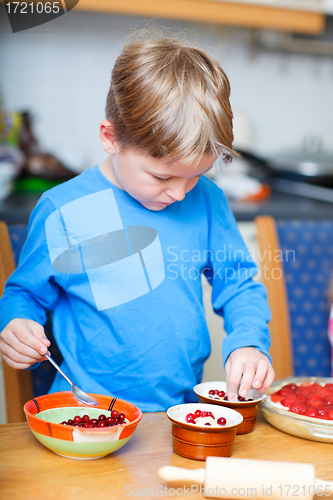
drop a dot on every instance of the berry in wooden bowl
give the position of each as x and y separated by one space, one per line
74 430
215 393
202 430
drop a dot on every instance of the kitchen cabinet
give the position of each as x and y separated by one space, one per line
246 14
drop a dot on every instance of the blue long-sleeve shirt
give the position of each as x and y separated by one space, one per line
124 285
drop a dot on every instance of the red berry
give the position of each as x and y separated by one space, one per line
70 421
189 416
109 420
221 421
221 394
322 411
85 418
114 414
197 413
240 398
101 417
121 417
207 423
298 408
64 423
315 404
212 391
102 423
283 392
291 386
77 419
94 421
288 401
329 415
311 412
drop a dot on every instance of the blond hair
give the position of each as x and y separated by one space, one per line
170 99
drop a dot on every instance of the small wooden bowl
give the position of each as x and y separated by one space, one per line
200 441
248 409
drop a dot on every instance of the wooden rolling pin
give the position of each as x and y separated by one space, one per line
252 479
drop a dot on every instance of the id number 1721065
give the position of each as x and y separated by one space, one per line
295 490
33 7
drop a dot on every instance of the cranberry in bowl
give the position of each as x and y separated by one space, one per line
202 430
216 393
74 430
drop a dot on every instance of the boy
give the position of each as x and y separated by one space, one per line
117 253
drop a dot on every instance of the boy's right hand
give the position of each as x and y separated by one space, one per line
23 343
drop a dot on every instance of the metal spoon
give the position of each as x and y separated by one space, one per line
80 395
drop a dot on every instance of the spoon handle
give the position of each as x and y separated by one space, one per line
58 368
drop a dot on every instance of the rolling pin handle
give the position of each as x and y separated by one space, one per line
169 474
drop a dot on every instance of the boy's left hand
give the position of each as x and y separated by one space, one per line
248 367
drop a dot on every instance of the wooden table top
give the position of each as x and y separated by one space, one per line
29 471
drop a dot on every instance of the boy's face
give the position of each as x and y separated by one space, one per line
155 183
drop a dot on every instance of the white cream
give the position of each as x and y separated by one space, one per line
206 420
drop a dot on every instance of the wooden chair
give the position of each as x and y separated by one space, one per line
297 267
18 383
272 276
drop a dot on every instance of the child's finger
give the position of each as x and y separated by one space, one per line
233 380
268 380
246 382
25 334
37 330
260 374
10 343
16 365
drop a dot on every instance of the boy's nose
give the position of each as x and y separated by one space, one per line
177 193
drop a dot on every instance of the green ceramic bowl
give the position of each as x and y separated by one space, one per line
45 414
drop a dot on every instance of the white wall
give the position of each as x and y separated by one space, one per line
60 72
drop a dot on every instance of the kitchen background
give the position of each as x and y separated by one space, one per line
60 73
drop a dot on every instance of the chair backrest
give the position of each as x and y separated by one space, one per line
297 267
17 383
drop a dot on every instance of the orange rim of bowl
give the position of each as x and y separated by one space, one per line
66 399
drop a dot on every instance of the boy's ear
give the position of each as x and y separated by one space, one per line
107 137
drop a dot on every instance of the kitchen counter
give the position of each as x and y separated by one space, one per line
283 206
17 208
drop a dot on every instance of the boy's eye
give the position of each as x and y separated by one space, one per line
159 179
